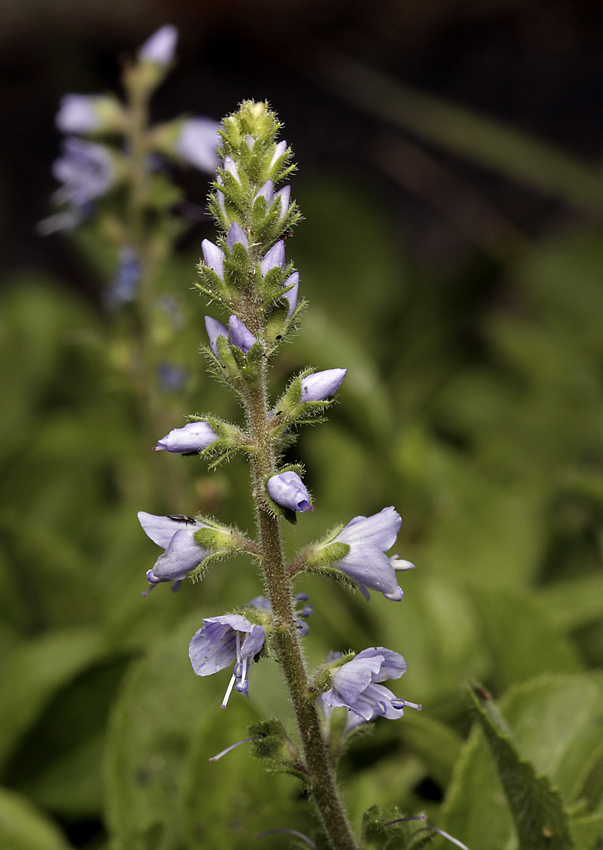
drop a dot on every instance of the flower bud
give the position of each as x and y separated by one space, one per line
214 330
321 385
287 489
192 437
273 258
239 334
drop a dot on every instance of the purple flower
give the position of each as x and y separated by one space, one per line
197 143
192 437
77 114
213 257
287 489
127 276
222 641
320 385
214 329
291 298
239 334
86 171
366 562
274 258
161 46
354 685
300 616
182 553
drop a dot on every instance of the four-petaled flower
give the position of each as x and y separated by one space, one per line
222 641
366 562
182 553
355 686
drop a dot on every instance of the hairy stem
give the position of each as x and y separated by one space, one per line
322 780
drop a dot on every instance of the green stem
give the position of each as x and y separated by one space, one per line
322 779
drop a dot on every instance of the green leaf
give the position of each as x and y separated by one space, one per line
23 827
555 722
537 809
512 620
34 671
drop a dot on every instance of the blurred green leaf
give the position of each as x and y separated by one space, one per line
34 671
512 620
23 827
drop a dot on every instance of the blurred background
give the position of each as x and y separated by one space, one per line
452 255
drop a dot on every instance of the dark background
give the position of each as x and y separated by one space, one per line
537 65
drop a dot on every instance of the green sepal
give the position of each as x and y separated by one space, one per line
325 554
226 357
384 830
251 363
276 749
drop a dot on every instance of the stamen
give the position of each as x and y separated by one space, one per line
228 691
444 835
232 747
289 832
422 816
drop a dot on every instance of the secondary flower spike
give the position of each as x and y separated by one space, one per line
355 685
192 437
320 385
366 562
222 641
287 489
182 553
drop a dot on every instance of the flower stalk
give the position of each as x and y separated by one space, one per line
321 778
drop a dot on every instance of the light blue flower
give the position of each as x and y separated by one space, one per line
86 171
182 553
366 562
355 686
239 334
222 641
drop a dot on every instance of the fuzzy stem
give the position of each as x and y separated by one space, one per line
322 780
